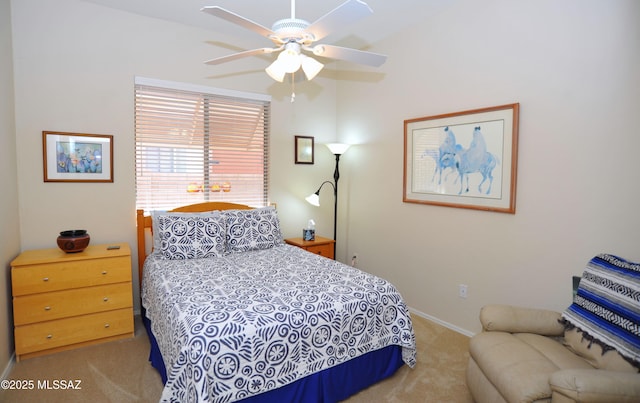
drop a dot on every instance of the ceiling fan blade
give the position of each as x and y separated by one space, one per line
339 17
351 55
238 20
240 55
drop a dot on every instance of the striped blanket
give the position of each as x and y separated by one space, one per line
606 308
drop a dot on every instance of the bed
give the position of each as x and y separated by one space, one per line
234 313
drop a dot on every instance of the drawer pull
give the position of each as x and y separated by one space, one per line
49 336
45 279
106 325
47 308
104 272
105 299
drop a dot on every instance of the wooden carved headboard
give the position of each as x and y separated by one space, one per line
143 223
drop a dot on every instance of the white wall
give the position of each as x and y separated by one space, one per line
75 64
9 225
573 67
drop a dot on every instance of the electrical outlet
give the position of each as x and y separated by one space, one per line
462 290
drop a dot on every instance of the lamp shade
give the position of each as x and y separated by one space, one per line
276 71
338 148
289 60
310 66
313 199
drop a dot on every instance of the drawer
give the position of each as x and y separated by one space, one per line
61 304
56 276
325 250
63 332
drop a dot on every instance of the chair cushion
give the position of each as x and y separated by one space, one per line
514 319
595 385
479 386
554 351
519 365
592 352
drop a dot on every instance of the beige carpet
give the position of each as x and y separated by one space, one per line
119 372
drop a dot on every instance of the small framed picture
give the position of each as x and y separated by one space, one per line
76 157
304 150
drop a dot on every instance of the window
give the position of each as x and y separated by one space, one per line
197 144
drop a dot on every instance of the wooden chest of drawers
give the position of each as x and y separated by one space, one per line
320 246
67 300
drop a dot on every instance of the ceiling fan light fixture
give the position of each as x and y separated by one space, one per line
292 35
310 66
276 71
289 58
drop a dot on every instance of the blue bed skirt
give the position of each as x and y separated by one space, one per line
328 386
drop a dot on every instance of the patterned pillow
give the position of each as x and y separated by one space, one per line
252 229
191 236
155 214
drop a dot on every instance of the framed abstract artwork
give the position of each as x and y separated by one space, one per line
464 159
76 157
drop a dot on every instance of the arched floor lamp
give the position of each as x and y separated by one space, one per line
337 149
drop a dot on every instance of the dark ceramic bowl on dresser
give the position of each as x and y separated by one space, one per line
74 240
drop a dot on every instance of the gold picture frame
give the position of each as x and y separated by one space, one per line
464 159
77 157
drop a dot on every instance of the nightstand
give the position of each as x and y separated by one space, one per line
321 246
67 300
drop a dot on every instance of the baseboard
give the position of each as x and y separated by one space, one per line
442 323
9 367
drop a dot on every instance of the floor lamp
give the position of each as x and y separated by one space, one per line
337 149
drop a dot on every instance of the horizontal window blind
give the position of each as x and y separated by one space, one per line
194 146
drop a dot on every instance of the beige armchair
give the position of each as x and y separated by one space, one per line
526 355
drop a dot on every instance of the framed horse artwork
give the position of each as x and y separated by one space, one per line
464 159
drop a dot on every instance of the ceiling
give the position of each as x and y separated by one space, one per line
389 16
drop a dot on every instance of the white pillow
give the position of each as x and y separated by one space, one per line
252 229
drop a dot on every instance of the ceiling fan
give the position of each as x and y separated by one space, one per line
292 36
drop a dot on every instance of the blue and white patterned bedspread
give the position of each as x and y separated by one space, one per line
235 326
